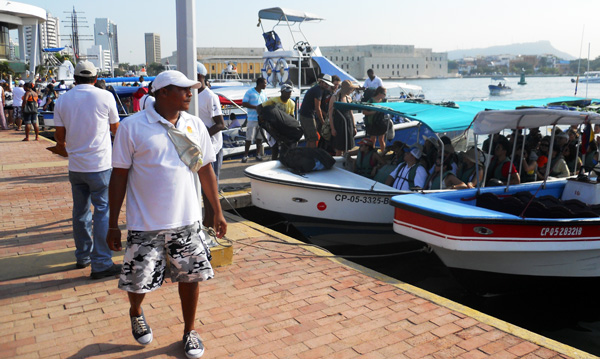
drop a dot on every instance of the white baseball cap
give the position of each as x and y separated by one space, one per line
85 69
173 77
416 152
201 69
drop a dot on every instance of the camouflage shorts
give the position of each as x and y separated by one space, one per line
145 259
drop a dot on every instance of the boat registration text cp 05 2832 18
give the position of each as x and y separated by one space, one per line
362 199
561 231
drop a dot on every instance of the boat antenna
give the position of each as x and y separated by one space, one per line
588 71
579 63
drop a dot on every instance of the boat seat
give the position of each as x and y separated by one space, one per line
575 203
549 201
536 209
524 196
595 208
586 214
489 201
511 205
560 212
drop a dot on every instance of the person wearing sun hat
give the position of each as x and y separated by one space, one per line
310 111
466 170
409 175
164 215
342 124
84 118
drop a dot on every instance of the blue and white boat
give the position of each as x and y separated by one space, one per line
544 230
498 87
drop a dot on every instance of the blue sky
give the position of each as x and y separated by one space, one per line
440 25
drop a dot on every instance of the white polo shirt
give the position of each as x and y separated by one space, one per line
375 83
160 187
209 106
86 113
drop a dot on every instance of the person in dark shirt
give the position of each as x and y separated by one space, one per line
310 111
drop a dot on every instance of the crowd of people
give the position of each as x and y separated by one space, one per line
428 167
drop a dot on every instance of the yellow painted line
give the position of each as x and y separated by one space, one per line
444 302
22 166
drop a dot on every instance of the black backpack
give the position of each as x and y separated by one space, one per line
283 127
302 160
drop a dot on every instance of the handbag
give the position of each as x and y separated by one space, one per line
188 150
30 107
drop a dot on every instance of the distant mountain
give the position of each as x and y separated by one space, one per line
528 48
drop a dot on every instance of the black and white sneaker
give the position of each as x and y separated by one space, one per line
140 330
193 345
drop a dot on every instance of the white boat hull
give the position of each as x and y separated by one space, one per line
336 205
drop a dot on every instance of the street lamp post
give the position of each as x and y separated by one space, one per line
109 35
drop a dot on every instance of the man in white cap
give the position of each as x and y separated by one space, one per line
84 118
163 213
310 111
409 175
209 111
18 93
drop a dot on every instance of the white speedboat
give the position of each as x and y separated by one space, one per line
532 230
588 77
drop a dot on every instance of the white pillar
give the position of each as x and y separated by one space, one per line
186 44
22 46
33 53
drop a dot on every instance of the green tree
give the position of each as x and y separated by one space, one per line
5 70
155 68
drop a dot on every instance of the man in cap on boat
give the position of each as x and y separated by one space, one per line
163 212
310 111
83 118
209 111
252 98
285 104
409 175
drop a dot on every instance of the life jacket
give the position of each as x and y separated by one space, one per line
467 175
365 164
496 169
412 173
434 180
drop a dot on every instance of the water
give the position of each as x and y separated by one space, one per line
474 89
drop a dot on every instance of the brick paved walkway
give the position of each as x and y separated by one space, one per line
265 305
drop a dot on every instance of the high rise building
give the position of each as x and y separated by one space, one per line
49 34
106 35
152 48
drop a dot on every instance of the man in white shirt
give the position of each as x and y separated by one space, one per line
163 212
209 111
18 93
409 174
83 118
372 81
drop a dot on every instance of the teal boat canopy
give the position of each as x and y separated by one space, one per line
446 118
